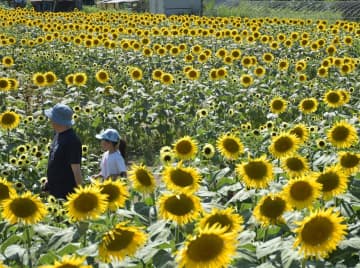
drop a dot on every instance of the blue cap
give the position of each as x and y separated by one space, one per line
60 114
109 134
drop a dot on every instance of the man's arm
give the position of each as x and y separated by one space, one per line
77 173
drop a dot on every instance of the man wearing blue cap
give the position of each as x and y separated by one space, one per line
63 173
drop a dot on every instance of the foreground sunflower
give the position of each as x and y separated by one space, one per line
284 144
334 181
6 189
256 173
349 162
211 247
302 192
185 148
142 179
295 165
69 262
26 208
230 146
320 233
181 179
86 203
180 208
9 120
116 193
342 135
120 242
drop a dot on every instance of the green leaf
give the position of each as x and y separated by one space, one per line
162 258
63 237
268 247
353 242
10 241
91 250
47 258
13 250
68 249
45 230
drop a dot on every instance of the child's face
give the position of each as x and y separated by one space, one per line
106 145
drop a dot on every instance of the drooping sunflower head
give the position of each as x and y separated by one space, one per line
278 105
86 203
319 233
180 208
9 120
284 144
102 76
342 135
256 173
333 180
6 189
208 151
26 208
308 105
185 148
295 165
120 242
333 98
142 179
69 262
230 146
349 162
116 193
300 131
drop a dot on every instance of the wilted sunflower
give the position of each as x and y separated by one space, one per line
181 208
333 98
185 148
181 179
86 203
115 191
50 78
211 247
319 233
9 120
334 181
302 192
342 135
39 79
295 165
6 189
26 208
300 131
224 218
69 262
120 242
278 105
256 173
308 105
208 151
349 162
230 146
102 76
270 208
142 179
284 144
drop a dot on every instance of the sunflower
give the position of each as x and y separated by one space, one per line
79 79
278 105
333 98
302 192
270 208
345 95
308 105
256 173
185 148
102 76
334 181
349 162
136 73
9 120
268 57
181 179
26 208
142 179
342 135
259 71
50 78
295 165
208 151
322 71
116 193
39 79
7 61
5 84
86 203
224 218
300 131
246 80
181 208
68 262
120 242
167 79
166 158
211 247
230 146
319 233
6 189
284 144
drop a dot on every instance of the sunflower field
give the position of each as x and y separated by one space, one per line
242 136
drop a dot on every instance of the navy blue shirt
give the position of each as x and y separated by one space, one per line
64 151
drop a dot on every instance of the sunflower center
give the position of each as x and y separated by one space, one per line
8 119
86 202
349 161
295 164
329 181
340 133
205 248
223 220
183 147
23 207
181 177
317 231
231 145
3 83
308 104
103 75
283 144
179 205
67 265
301 190
256 170
143 177
272 208
121 240
277 104
298 132
111 191
207 150
333 97
4 192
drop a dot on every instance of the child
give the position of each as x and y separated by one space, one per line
112 162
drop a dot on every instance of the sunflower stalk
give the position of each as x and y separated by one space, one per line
28 245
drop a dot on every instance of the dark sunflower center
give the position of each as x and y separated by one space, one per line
23 207
308 104
183 147
317 231
40 79
3 83
207 151
122 239
340 133
231 145
167 158
223 220
136 74
86 202
8 119
329 181
298 132
205 248
301 191
246 79
349 161
181 178
111 191
4 192
277 105
179 206
143 177
67 266
256 170
333 97
272 208
102 75
79 79
294 164
283 144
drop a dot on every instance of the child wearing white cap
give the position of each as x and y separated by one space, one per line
112 162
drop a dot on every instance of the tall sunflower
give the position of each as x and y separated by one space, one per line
295 165
115 191
26 208
181 208
181 179
9 120
230 146
185 148
211 247
278 105
256 173
308 105
333 180
319 233
86 203
69 262
349 162
142 179
301 131
120 242
302 192
342 134
6 189
102 76
284 144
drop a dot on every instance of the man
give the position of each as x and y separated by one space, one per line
63 173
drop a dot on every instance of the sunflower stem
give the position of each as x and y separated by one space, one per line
303 263
28 245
